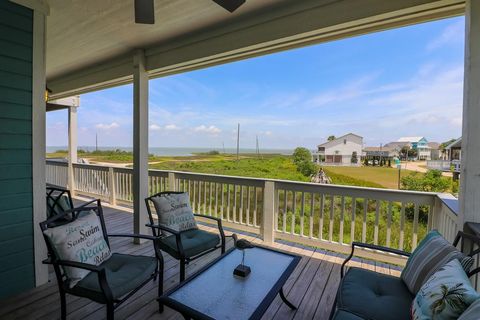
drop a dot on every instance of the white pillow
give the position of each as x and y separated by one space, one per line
174 211
81 241
445 295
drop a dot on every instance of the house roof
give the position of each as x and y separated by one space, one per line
455 144
378 149
434 145
339 138
410 139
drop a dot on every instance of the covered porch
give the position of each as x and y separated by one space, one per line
93 45
312 286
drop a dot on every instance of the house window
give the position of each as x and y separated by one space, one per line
321 149
344 141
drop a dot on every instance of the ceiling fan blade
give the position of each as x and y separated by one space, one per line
144 11
230 5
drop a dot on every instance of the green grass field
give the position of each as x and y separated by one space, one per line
271 166
378 177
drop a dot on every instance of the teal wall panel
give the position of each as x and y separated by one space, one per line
17 272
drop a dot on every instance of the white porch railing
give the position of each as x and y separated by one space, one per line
327 216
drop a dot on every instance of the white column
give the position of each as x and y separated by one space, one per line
268 219
72 145
140 143
470 166
38 145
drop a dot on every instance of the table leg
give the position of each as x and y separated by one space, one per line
288 303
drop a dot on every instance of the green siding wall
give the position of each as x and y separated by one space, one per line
17 271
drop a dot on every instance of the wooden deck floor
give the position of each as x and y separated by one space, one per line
311 287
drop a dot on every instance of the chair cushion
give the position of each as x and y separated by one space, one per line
345 315
373 295
432 253
124 273
445 295
174 211
193 241
81 240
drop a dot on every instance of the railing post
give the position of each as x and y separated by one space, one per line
268 219
112 186
171 181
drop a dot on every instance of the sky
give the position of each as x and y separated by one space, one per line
382 86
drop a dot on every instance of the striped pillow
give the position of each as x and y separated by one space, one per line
472 313
432 253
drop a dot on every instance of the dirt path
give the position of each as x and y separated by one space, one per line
420 166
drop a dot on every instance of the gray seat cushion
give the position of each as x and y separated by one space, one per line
194 242
373 295
345 315
124 273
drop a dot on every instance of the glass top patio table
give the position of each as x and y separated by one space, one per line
215 293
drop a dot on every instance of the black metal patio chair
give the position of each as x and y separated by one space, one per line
59 200
189 245
115 279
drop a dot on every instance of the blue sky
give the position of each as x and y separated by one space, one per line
402 82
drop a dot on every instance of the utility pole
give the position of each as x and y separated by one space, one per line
223 144
96 141
238 140
380 163
256 148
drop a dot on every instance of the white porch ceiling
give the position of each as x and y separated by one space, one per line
90 42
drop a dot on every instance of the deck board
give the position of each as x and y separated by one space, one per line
312 286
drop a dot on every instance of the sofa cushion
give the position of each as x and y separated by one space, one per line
193 242
345 315
472 313
373 295
432 253
445 295
124 273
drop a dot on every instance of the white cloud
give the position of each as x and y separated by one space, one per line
207 129
168 127
155 127
171 127
104 126
452 34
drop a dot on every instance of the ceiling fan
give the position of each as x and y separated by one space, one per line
145 10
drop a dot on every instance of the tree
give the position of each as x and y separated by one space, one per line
365 162
307 168
331 138
301 154
432 181
354 158
412 153
404 152
302 158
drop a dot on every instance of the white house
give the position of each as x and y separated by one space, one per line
340 150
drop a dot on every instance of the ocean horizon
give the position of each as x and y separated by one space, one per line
179 151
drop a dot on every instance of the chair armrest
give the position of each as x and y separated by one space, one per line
74 264
163 228
380 248
178 238
372 247
132 235
86 204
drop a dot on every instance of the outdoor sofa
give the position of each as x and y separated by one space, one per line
365 294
